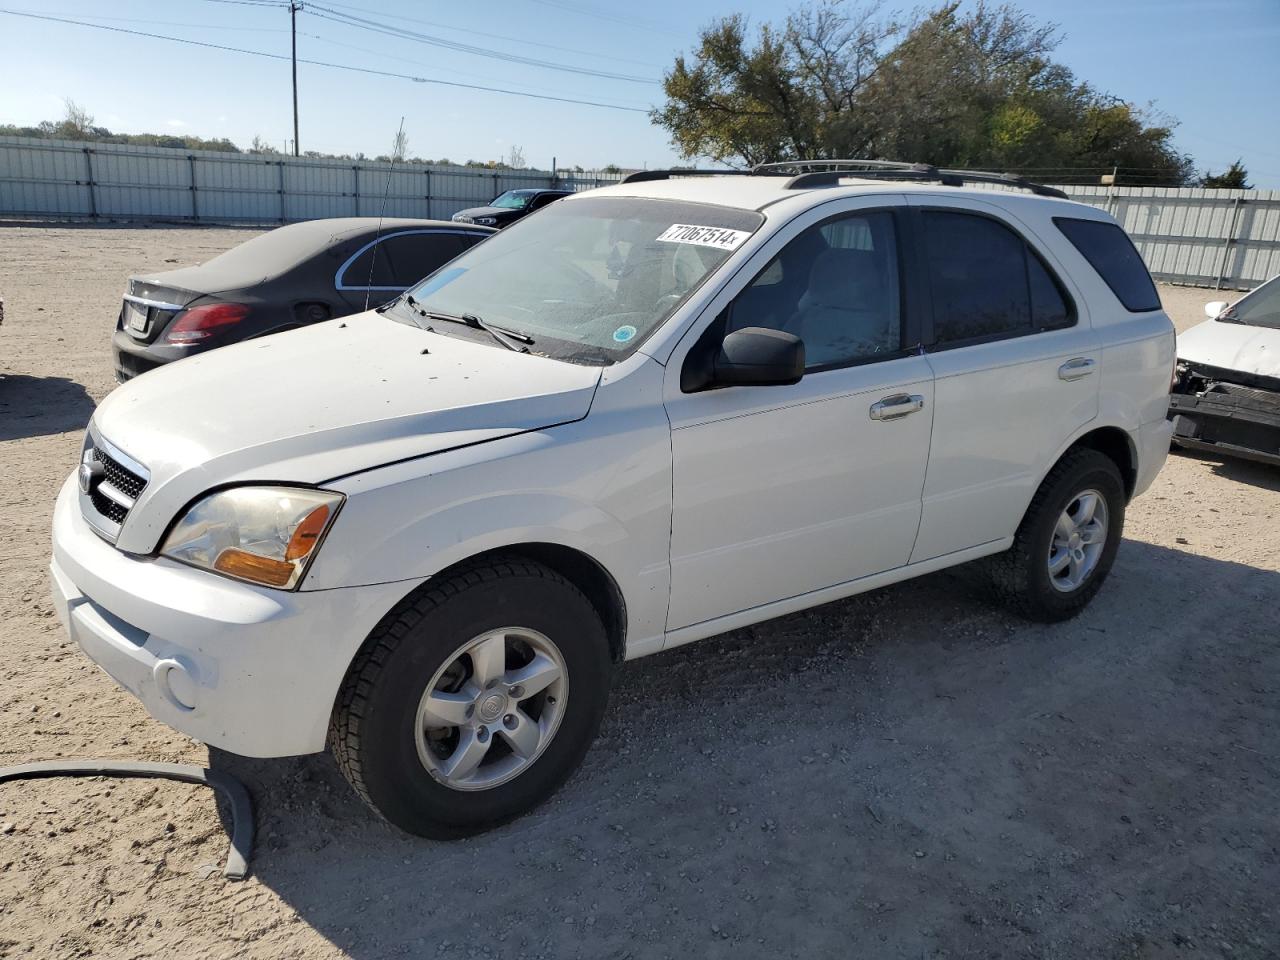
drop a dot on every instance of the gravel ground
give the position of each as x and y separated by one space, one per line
911 773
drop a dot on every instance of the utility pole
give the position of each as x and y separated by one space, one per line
294 7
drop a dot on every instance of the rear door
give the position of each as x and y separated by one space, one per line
1016 370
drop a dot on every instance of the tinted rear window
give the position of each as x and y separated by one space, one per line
1110 251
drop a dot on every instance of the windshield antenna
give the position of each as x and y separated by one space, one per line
396 151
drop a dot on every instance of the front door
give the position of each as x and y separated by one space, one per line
782 490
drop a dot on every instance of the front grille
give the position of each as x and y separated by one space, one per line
108 508
109 486
120 477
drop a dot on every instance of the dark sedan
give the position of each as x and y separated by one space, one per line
295 275
511 206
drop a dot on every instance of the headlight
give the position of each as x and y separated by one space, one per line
461 218
486 221
265 535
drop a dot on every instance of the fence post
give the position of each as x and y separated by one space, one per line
93 199
428 197
191 165
355 191
280 164
1227 242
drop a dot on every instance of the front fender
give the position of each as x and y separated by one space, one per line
603 492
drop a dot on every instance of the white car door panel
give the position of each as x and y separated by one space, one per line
782 490
1002 410
779 491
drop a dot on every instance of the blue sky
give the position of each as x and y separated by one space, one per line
1212 64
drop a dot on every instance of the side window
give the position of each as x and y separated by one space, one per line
835 287
986 282
544 199
402 260
1049 309
368 270
414 255
1110 252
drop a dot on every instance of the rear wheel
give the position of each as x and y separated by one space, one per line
474 700
1067 541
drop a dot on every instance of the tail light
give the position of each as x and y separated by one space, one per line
200 323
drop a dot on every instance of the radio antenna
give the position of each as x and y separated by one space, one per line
386 190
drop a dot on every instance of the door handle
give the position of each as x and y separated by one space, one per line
1077 368
899 405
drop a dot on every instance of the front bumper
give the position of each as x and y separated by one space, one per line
1229 419
247 669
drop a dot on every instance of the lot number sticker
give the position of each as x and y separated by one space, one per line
718 237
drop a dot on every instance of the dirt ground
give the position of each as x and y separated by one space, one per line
911 773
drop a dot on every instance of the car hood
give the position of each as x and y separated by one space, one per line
314 404
1232 346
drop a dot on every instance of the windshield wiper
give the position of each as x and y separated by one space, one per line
511 339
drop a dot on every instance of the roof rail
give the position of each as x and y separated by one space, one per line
811 166
825 173
644 176
1008 180
806 174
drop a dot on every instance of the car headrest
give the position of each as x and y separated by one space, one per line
844 278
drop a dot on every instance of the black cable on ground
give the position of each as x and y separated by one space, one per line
241 804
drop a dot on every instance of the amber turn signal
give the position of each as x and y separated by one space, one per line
307 533
250 566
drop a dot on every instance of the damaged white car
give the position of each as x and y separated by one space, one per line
1226 388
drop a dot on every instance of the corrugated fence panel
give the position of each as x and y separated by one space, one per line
247 189
43 180
319 188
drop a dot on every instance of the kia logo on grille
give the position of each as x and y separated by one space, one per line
88 470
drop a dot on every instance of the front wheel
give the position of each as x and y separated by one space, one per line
1067 541
474 700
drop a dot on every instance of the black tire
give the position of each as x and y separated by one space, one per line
372 734
1020 575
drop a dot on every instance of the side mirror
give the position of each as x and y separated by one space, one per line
1214 308
758 356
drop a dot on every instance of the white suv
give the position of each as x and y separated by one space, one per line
425 535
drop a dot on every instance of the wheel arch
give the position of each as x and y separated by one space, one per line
580 569
1117 445
584 572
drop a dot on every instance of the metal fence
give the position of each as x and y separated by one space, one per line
1214 238
64 178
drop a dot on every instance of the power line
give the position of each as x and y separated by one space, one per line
251 3
323 63
174 23
350 20
382 53
499 36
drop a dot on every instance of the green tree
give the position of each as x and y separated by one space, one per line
949 87
1235 177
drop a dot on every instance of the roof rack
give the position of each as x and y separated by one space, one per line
644 176
830 172
805 174
1008 180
